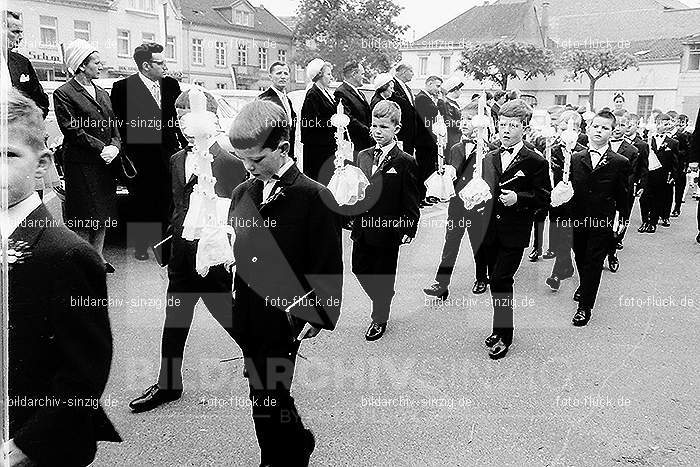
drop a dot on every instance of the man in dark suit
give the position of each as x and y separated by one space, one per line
289 275
694 161
640 172
684 141
519 182
355 105
427 108
277 93
386 218
185 285
600 178
60 342
459 220
144 105
404 97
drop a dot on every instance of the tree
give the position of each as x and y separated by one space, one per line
596 63
342 30
501 61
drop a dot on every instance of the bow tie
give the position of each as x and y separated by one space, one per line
376 155
508 150
616 140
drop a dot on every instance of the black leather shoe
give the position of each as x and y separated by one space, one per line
491 340
438 291
697 239
613 263
643 228
109 268
675 213
534 254
577 295
619 245
375 331
479 287
153 397
498 350
549 255
581 317
665 223
309 441
141 255
651 229
553 282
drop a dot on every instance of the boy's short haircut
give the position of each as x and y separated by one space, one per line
682 117
570 114
472 107
672 114
259 123
24 113
620 113
607 114
663 116
499 94
388 109
633 117
183 101
516 108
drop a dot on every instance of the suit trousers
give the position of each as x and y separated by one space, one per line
185 288
591 246
561 242
278 426
150 195
375 269
426 158
631 206
538 228
679 189
458 222
657 197
503 264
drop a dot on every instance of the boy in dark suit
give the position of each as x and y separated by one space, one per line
185 285
355 105
289 275
277 93
600 178
633 137
387 217
684 140
463 158
60 342
519 182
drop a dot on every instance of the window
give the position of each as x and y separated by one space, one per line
560 99
48 30
644 106
123 43
197 52
81 30
244 18
694 58
299 74
170 48
143 5
220 53
148 37
198 83
445 65
242 54
422 66
262 55
282 56
221 86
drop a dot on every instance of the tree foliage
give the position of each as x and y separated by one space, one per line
595 64
502 61
342 30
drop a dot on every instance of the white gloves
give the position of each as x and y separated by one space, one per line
109 153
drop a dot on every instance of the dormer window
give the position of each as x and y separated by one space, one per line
243 17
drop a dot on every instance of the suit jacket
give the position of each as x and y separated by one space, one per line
527 175
316 113
426 111
376 99
60 346
632 154
390 208
558 160
358 109
284 248
463 163
453 116
271 95
407 134
667 154
684 141
695 144
599 191
641 172
24 79
87 124
146 128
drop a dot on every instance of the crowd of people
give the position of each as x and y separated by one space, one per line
288 278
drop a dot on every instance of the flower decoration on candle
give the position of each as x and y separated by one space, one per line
206 217
440 184
477 191
564 190
652 129
348 183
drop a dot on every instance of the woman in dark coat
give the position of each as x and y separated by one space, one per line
317 133
383 88
90 143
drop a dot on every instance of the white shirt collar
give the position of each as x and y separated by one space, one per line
516 149
385 149
283 169
282 94
149 84
15 215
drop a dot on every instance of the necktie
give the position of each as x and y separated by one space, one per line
156 93
376 156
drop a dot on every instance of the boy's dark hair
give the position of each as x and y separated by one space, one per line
259 123
672 114
516 108
608 115
11 14
144 53
498 94
683 117
663 116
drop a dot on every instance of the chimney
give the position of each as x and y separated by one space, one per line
545 21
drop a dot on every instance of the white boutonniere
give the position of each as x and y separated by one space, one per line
275 195
17 252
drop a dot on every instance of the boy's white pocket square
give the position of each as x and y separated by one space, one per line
23 78
519 173
391 171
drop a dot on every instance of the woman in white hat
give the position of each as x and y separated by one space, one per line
90 144
450 109
317 133
383 88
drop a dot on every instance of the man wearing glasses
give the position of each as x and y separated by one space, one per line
144 104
